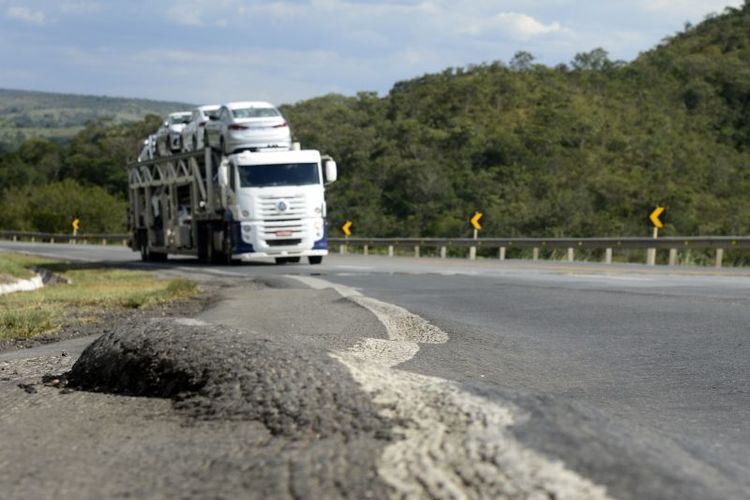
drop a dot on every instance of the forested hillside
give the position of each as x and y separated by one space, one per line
26 114
584 149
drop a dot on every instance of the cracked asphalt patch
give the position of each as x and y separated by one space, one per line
178 408
215 372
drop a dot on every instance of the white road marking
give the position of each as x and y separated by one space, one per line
452 444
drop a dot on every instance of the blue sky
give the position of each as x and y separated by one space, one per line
206 51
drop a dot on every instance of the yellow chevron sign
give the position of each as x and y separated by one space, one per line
76 224
475 220
655 217
347 228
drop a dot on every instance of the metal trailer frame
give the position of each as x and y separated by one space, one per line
159 180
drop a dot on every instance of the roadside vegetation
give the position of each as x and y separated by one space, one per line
587 148
12 269
90 294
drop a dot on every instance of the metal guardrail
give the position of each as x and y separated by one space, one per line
609 245
672 243
725 242
34 236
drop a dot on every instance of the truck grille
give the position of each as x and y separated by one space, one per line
282 207
283 243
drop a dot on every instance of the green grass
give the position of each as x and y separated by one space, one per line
92 291
13 267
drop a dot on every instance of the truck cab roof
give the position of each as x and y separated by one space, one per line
273 157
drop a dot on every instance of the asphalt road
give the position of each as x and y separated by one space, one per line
636 378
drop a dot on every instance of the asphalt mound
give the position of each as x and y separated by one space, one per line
213 372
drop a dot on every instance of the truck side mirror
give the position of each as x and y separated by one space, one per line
331 171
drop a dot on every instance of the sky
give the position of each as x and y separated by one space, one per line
212 51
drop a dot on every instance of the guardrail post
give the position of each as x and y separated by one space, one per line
104 241
651 257
472 253
32 239
366 250
124 243
15 238
390 250
416 251
607 255
443 252
501 253
535 254
52 240
571 255
719 257
342 249
672 256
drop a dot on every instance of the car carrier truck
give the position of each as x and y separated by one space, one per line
245 206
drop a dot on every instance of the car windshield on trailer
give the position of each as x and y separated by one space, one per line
175 120
211 113
286 174
255 113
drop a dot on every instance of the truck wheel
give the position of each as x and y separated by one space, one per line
315 259
201 244
158 257
210 250
226 254
145 254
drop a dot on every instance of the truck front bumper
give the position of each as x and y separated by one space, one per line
248 257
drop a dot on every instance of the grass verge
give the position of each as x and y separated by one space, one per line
14 267
92 292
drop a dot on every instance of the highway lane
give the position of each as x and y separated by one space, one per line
661 360
636 377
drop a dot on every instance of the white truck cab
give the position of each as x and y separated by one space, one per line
276 203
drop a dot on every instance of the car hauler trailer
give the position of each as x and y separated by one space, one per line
246 206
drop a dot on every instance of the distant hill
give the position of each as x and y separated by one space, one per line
25 114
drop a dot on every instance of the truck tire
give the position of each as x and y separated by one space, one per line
315 259
158 257
202 244
145 253
225 257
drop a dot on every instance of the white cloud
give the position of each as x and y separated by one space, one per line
26 15
517 26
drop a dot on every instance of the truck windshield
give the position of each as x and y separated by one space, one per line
286 174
